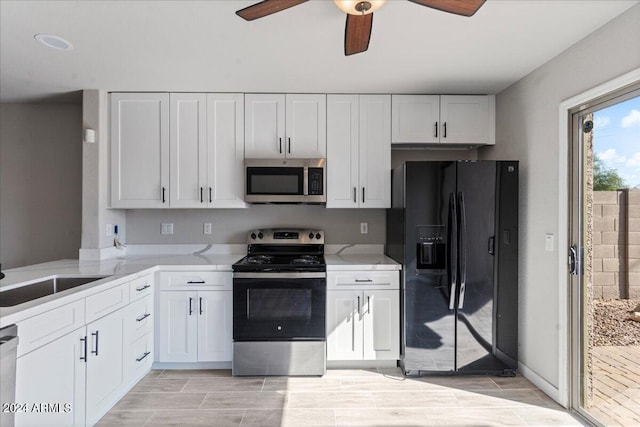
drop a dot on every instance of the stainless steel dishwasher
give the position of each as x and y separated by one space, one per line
8 355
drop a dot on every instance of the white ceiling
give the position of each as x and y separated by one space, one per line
202 46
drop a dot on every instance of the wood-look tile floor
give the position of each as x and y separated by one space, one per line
376 397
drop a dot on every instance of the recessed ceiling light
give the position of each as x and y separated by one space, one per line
52 41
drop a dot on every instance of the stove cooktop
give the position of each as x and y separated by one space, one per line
292 262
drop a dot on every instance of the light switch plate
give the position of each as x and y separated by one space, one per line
207 228
364 228
549 242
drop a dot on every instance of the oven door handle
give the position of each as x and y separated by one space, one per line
281 275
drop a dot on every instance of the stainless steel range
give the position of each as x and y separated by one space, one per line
279 304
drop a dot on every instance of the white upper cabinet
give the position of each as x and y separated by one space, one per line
414 118
285 126
225 145
358 151
188 126
443 119
139 150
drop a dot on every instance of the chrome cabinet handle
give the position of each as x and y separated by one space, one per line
84 353
147 286
146 353
144 316
95 334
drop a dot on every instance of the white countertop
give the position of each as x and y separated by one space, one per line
126 268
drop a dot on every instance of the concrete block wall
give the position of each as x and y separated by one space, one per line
616 244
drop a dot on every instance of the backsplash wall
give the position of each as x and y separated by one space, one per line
230 226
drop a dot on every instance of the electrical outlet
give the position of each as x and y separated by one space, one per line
166 229
109 230
549 242
207 228
364 228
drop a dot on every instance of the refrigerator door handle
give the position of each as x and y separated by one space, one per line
463 250
453 250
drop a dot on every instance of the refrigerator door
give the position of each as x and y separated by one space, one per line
476 196
427 300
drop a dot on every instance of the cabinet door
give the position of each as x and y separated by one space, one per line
306 126
375 151
225 142
465 119
139 150
381 324
105 370
178 323
53 374
344 325
414 118
215 330
188 150
342 151
264 126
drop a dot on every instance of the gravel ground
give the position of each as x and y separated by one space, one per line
612 325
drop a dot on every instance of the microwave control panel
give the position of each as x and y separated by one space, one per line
316 182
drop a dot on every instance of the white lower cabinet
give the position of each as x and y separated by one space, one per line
195 326
74 379
363 316
105 368
54 374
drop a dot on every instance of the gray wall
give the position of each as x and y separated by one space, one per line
231 225
40 182
527 130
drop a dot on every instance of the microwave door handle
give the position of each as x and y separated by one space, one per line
305 183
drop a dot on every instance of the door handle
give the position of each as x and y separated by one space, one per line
289 145
163 198
190 306
147 286
95 334
201 198
195 282
200 305
354 195
280 145
463 250
368 305
453 250
210 199
358 306
362 194
573 260
84 345
141 358
444 130
144 316
436 128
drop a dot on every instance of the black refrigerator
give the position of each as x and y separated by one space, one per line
454 228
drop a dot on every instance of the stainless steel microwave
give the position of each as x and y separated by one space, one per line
285 181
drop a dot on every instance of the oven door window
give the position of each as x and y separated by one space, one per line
279 304
275 181
279 309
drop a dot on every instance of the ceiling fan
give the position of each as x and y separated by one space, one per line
359 15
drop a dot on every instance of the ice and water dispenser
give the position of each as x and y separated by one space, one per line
431 248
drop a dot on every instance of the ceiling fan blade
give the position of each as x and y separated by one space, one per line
357 33
459 7
266 7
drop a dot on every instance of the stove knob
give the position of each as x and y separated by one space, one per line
253 236
311 235
318 236
260 235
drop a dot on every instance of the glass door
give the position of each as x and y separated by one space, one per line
604 285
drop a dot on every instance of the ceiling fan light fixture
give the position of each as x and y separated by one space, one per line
359 7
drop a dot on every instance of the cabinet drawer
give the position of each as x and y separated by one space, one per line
363 279
185 280
138 358
41 329
141 287
139 319
106 302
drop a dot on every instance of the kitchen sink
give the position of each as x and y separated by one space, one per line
43 288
